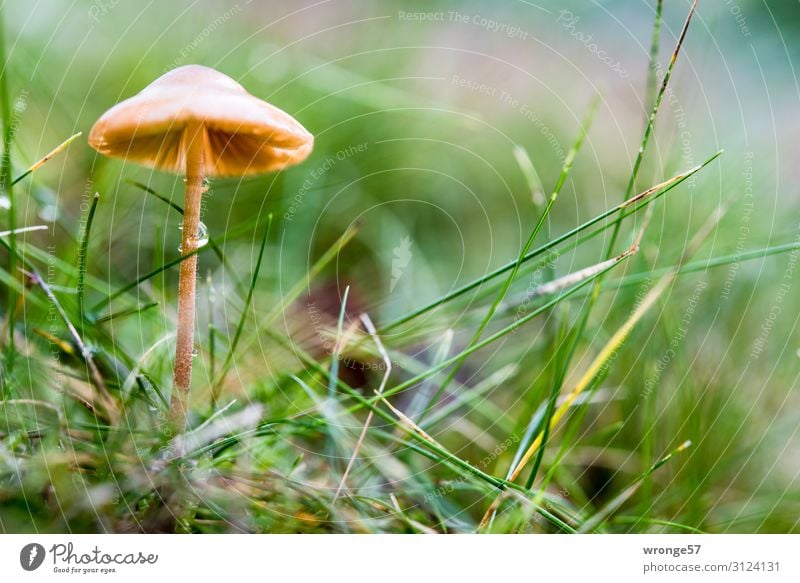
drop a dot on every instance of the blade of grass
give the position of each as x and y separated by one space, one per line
648 131
431 451
133 375
211 293
147 190
496 336
599 366
83 250
565 281
61 266
126 288
613 505
586 312
24 230
531 177
334 374
212 243
559 373
215 386
427 396
704 264
109 405
628 207
655 43
619 337
8 187
568 161
304 282
125 313
55 151
367 322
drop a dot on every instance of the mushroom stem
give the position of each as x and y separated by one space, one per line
187 280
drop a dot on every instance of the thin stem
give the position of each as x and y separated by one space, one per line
524 251
651 194
104 396
213 244
187 279
8 187
158 270
83 250
217 384
648 130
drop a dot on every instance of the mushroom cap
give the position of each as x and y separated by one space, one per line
244 135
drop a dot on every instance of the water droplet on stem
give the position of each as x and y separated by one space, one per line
202 235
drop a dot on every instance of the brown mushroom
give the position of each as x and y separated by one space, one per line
196 121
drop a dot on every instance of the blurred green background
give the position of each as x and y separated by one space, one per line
417 108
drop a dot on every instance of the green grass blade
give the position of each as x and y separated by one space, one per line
628 207
334 374
62 146
125 313
83 250
532 178
568 161
559 373
126 288
303 283
240 326
651 121
614 504
8 188
497 335
179 209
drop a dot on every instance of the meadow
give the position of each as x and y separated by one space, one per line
538 275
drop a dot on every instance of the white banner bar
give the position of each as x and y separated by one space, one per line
400 558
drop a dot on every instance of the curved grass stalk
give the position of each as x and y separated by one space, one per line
562 179
626 208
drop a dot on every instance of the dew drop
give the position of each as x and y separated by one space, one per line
5 202
195 352
202 235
